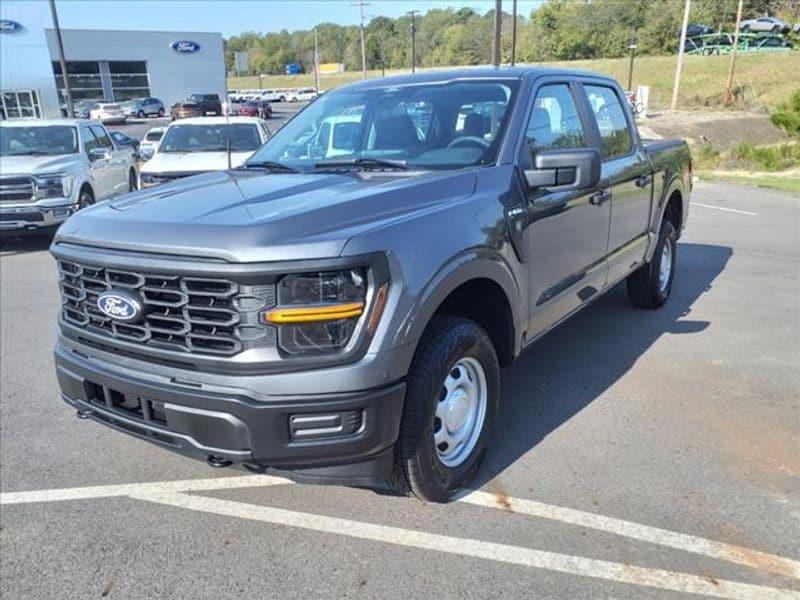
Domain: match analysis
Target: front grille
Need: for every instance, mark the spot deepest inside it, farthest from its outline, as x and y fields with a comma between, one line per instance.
x=16, y=189
x=159, y=178
x=197, y=315
x=31, y=217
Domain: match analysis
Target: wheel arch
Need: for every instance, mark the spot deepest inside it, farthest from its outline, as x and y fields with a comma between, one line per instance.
x=478, y=285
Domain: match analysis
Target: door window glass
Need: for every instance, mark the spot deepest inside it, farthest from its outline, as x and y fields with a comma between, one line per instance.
x=89, y=141
x=102, y=137
x=607, y=109
x=554, y=123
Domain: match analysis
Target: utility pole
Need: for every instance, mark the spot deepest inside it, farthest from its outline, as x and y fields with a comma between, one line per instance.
x=413, y=40
x=681, y=48
x=632, y=47
x=62, y=60
x=729, y=87
x=361, y=4
x=316, y=60
x=514, y=33
x=498, y=20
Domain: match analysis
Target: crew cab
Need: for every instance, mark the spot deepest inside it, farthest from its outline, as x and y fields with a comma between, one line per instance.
x=51, y=168
x=343, y=318
x=201, y=144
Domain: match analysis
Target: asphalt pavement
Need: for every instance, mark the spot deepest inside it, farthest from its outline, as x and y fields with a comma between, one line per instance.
x=638, y=454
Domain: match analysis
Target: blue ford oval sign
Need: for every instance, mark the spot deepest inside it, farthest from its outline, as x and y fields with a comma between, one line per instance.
x=120, y=306
x=7, y=26
x=185, y=46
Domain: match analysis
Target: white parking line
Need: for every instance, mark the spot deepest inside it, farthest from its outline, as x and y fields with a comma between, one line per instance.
x=663, y=537
x=127, y=489
x=516, y=555
x=756, y=559
x=732, y=210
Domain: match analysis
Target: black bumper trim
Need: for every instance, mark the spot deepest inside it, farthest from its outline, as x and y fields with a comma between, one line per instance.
x=236, y=427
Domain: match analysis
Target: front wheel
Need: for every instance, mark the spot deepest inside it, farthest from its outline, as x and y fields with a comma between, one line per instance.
x=451, y=404
x=651, y=285
x=86, y=198
x=140, y=114
x=160, y=112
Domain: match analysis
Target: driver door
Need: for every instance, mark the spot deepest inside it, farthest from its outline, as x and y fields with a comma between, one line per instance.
x=100, y=168
x=567, y=230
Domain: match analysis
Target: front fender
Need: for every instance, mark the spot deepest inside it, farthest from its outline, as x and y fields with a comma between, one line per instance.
x=473, y=263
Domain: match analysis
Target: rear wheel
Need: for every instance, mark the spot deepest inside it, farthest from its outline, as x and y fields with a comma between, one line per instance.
x=651, y=285
x=140, y=114
x=160, y=112
x=452, y=400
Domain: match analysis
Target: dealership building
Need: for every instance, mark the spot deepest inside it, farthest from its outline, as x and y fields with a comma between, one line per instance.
x=101, y=64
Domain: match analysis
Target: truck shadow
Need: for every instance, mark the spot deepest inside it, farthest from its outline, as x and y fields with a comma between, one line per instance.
x=570, y=367
x=12, y=244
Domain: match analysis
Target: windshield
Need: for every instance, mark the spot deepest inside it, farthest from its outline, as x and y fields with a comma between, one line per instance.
x=153, y=136
x=210, y=138
x=431, y=126
x=50, y=140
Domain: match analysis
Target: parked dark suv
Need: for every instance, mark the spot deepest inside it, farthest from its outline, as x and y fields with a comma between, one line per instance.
x=196, y=105
x=339, y=308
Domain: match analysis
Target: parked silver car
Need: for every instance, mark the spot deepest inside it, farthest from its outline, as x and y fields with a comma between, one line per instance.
x=144, y=107
x=771, y=24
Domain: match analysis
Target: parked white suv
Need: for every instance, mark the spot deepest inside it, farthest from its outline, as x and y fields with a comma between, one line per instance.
x=302, y=95
x=108, y=113
x=198, y=145
x=51, y=168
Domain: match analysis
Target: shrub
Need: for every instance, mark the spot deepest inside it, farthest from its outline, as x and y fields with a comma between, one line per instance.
x=787, y=115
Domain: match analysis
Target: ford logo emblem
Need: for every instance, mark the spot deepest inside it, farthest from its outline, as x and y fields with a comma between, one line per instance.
x=185, y=46
x=7, y=26
x=120, y=306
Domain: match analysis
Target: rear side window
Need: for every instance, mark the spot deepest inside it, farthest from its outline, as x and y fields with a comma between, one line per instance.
x=554, y=123
x=614, y=133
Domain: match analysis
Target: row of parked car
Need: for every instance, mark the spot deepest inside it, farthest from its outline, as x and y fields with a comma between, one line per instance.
x=305, y=94
x=765, y=34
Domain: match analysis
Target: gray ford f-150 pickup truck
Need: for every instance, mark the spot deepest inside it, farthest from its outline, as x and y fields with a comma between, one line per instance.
x=339, y=308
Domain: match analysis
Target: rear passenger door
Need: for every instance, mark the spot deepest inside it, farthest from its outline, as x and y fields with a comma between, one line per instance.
x=117, y=181
x=627, y=172
x=100, y=168
x=567, y=230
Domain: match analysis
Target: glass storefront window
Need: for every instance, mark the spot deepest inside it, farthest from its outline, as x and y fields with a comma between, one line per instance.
x=19, y=104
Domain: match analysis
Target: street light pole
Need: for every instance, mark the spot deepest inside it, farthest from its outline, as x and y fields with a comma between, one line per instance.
x=413, y=14
x=729, y=86
x=632, y=47
x=498, y=16
x=681, y=49
x=62, y=60
x=514, y=33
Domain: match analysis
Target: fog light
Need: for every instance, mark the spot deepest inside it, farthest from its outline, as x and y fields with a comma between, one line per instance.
x=325, y=425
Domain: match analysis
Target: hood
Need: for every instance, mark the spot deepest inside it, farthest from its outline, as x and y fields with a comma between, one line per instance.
x=193, y=162
x=32, y=165
x=252, y=216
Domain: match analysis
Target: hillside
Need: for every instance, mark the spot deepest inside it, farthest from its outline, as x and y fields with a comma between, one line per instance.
x=763, y=80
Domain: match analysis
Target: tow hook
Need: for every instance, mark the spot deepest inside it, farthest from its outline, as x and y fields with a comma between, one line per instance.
x=83, y=414
x=217, y=462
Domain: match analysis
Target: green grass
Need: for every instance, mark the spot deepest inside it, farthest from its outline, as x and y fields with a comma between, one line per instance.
x=775, y=182
x=762, y=80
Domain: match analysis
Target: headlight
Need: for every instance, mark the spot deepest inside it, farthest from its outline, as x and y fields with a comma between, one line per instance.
x=52, y=185
x=318, y=312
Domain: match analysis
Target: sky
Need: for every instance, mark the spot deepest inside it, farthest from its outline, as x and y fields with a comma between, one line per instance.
x=231, y=17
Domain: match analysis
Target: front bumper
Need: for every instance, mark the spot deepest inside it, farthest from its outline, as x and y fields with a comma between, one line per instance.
x=35, y=216
x=338, y=437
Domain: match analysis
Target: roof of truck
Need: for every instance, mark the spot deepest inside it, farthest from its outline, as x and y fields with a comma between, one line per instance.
x=480, y=72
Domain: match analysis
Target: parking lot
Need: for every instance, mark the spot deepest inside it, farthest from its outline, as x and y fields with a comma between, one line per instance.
x=638, y=454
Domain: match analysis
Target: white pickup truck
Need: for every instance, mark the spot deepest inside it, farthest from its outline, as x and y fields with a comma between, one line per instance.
x=51, y=168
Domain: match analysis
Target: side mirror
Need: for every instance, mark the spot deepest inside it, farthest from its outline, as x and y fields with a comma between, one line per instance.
x=565, y=169
x=99, y=154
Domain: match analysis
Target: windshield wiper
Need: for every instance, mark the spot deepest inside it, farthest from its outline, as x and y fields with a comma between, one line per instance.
x=270, y=165
x=363, y=163
x=30, y=153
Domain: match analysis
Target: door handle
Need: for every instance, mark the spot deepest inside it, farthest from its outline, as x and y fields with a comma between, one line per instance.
x=644, y=181
x=599, y=197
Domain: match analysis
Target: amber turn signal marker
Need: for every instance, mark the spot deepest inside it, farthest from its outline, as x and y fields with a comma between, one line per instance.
x=312, y=314
x=377, y=310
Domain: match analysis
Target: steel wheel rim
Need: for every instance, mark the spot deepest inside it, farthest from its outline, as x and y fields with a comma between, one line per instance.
x=665, y=266
x=460, y=412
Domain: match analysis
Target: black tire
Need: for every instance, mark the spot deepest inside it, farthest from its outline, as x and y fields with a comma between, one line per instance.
x=132, y=183
x=282, y=99
x=140, y=114
x=644, y=287
x=85, y=198
x=776, y=29
x=446, y=341
x=160, y=112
